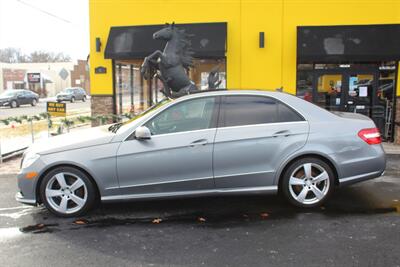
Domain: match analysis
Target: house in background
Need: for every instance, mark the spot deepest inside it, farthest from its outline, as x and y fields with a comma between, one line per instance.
x=46, y=79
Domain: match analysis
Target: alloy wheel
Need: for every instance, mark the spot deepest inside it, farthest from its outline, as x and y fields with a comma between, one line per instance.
x=309, y=183
x=66, y=193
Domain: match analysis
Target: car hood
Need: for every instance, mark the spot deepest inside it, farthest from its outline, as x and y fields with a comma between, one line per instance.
x=75, y=140
x=2, y=98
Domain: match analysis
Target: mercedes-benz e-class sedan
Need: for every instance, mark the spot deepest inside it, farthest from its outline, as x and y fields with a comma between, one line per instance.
x=212, y=143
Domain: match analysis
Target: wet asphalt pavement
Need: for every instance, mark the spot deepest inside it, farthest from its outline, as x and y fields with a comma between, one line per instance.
x=359, y=226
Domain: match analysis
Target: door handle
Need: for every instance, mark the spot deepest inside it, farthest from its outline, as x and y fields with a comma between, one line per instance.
x=200, y=142
x=284, y=133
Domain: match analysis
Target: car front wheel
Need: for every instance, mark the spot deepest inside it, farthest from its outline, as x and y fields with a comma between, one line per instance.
x=34, y=102
x=13, y=104
x=67, y=192
x=72, y=99
x=308, y=182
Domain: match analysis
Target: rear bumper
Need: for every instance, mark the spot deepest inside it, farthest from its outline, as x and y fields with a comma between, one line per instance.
x=360, y=178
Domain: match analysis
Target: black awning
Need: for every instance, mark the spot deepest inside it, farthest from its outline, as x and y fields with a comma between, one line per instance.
x=135, y=42
x=348, y=43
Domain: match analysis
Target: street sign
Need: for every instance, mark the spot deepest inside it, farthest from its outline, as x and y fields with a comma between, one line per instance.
x=33, y=77
x=63, y=74
x=56, y=109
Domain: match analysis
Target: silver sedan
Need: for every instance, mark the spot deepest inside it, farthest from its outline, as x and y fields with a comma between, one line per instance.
x=211, y=143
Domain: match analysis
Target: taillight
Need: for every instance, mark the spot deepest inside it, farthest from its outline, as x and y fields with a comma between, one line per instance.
x=371, y=135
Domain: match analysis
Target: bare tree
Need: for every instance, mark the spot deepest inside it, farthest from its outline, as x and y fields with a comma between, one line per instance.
x=14, y=55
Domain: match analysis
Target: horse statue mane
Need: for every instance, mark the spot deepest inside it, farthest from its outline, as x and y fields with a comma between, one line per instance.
x=185, y=46
x=173, y=63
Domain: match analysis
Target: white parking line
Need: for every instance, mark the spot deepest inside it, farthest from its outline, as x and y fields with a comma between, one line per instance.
x=14, y=208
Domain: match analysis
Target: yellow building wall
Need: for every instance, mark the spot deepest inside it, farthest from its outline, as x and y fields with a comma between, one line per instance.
x=248, y=66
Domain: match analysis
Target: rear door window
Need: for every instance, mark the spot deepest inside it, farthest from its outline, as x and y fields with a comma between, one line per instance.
x=287, y=114
x=250, y=110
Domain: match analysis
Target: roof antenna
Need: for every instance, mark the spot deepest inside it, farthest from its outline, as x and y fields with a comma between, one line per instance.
x=280, y=89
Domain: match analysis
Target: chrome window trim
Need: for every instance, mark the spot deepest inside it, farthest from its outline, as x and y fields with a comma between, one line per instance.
x=218, y=94
x=263, y=124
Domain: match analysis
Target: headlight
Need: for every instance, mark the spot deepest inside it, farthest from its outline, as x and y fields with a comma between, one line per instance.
x=28, y=160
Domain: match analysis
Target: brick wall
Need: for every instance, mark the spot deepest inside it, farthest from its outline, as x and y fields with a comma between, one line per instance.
x=397, y=123
x=80, y=76
x=101, y=105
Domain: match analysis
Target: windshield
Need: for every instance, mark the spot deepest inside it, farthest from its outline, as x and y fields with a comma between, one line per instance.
x=68, y=91
x=8, y=93
x=114, y=128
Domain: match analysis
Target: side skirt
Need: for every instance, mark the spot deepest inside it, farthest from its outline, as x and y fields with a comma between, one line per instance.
x=229, y=191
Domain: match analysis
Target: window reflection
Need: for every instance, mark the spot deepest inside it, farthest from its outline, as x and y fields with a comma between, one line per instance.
x=134, y=94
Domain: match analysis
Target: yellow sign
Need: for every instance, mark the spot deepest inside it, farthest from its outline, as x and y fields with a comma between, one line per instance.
x=56, y=109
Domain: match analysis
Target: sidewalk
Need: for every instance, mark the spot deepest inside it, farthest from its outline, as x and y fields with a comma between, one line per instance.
x=20, y=143
x=391, y=148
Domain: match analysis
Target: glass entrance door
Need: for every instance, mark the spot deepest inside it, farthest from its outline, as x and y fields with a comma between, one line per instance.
x=359, y=93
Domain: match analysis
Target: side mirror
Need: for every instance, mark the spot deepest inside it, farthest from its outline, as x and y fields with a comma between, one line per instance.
x=143, y=133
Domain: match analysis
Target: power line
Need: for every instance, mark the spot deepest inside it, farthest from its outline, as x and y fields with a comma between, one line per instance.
x=44, y=11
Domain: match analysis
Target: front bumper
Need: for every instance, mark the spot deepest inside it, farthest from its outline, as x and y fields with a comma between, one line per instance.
x=27, y=187
x=20, y=198
x=4, y=103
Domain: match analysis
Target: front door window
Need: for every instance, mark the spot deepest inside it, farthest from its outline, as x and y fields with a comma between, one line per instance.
x=190, y=115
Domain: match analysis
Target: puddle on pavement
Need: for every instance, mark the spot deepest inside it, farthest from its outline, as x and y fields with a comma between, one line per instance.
x=39, y=228
x=237, y=213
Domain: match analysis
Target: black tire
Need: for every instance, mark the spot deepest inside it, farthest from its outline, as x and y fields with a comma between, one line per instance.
x=69, y=173
x=14, y=104
x=34, y=102
x=84, y=99
x=72, y=99
x=296, y=168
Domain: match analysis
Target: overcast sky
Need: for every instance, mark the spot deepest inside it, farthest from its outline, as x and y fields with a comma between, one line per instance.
x=49, y=25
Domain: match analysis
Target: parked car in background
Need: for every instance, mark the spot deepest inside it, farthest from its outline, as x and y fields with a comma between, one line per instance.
x=15, y=97
x=72, y=94
x=209, y=143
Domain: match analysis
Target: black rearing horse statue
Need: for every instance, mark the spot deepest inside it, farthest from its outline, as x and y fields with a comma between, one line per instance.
x=171, y=65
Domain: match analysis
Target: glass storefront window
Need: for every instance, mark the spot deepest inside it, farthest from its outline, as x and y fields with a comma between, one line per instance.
x=202, y=68
x=305, y=85
x=134, y=94
x=329, y=91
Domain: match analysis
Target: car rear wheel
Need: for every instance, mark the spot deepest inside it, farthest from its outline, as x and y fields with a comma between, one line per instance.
x=72, y=99
x=308, y=182
x=34, y=102
x=13, y=104
x=67, y=192
x=84, y=99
